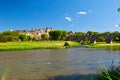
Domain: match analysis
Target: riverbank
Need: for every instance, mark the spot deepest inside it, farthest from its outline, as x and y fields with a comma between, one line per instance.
x=35, y=45
x=114, y=46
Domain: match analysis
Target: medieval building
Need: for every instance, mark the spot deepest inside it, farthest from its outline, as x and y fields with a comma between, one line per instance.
x=36, y=33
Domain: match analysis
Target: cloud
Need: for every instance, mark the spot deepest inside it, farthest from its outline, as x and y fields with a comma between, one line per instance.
x=117, y=25
x=82, y=13
x=68, y=18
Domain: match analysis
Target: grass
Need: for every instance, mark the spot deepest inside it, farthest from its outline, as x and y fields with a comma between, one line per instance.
x=5, y=73
x=112, y=74
x=113, y=46
x=34, y=45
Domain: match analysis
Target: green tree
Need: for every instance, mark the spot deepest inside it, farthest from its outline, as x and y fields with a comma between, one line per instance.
x=118, y=9
x=63, y=35
x=58, y=35
x=44, y=36
x=24, y=37
x=13, y=33
x=96, y=33
x=77, y=35
x=100, y=39
x=9, y=36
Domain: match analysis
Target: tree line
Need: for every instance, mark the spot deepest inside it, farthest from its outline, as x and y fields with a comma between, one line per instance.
x=56, y=35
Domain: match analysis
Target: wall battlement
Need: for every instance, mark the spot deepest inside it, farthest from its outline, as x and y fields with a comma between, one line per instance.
x=36, y=32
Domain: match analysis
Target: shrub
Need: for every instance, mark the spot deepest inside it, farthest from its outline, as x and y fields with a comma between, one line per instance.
x=66, y=44
x=44, y=36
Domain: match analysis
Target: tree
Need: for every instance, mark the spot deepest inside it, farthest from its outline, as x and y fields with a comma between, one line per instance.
x=77, y=35
x=58, y=35
x=63, y=35
x=106, y=33
x=9, y=36
x=100, y=39
x=24, y=37
x=55, y=35
x=44, y=36
x=118, y=9
x=90, y=33
x=13, y=33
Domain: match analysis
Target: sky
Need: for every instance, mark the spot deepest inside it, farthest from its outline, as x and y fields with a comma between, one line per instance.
x=69, y=15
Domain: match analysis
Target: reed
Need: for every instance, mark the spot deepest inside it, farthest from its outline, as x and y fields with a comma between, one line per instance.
x=5, y=73
x=109, y=74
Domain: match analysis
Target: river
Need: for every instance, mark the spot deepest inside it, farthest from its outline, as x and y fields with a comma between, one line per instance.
x=48, y=63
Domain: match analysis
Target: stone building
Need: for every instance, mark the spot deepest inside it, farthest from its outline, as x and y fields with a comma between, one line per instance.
x=36, y=33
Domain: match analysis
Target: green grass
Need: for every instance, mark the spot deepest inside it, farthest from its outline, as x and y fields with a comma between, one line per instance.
x=113, y=46
x=35, y=45
x=112, y=74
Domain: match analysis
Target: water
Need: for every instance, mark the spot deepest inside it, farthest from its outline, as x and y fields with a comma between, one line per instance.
x=43, y=64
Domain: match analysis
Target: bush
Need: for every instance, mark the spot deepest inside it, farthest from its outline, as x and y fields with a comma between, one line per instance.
x=66, y=44
x=24, y=37
x=44, y=36
x=84, y=42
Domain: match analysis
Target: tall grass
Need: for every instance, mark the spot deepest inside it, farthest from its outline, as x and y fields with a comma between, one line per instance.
x=5, y=73
x=112, y=74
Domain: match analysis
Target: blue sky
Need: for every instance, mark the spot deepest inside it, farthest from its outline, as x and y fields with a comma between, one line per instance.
x=75, y=15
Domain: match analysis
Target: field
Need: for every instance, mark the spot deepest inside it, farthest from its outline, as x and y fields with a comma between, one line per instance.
x=34, y=45
x=114, y=45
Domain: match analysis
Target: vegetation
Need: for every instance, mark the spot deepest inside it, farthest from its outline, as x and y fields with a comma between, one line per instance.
x=112, y=74
x=58, y=35
x=66, y=44
x=103, y=45
x=11, y=36
x=118, y=9
x=45, y=37
x=35, y=45
x=5, y=73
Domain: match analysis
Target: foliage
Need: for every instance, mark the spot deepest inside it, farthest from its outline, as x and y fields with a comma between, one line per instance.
x=118, y=9
x=24, y=37
x=58, y=35
x=90, y=33
x=113, y=74
x=44, y=36
x=77, y=35
x=63, y=34
x=66, y=44
x=13, y=36
x=101, y=39
x=9, y=36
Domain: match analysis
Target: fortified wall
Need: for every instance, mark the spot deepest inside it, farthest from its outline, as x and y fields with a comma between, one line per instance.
x=36, y=32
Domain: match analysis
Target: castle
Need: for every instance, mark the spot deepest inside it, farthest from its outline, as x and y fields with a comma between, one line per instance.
x=36, y=33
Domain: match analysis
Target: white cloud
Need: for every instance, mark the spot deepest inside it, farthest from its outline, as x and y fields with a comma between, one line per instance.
x=117, y=25
x=68, y=18
x=82, y=13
